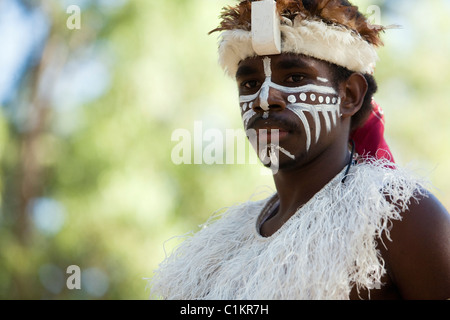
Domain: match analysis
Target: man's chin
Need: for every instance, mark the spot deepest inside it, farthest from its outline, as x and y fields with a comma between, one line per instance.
x=284, y=162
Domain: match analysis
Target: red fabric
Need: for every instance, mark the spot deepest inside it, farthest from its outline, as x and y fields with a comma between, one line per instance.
x=369, y=139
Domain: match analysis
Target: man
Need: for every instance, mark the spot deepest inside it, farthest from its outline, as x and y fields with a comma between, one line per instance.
x=340, y=226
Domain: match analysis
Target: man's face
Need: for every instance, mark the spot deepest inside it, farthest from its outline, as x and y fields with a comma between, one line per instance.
x=290, y=104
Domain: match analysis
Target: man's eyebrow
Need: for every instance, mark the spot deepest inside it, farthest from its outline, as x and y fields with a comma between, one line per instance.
x=245, y=71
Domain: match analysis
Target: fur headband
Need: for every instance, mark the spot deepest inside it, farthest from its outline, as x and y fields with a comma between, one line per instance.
x=350, y=44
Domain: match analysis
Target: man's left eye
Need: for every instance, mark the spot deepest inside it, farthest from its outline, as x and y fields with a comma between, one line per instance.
x=295, y=78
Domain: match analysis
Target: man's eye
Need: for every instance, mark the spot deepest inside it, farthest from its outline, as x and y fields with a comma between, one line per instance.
x=250, y=84
x=295, y=78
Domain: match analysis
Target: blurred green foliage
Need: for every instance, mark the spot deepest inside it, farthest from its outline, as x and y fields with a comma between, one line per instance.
x=91, y=182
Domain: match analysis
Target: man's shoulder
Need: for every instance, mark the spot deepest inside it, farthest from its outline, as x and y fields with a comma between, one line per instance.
x=418, y=253
x=416, y=246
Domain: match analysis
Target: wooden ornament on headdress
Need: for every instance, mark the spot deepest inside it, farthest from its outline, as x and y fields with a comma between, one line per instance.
x=266, y=34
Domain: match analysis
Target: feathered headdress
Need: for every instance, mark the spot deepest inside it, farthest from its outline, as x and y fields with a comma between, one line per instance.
x=330, y=30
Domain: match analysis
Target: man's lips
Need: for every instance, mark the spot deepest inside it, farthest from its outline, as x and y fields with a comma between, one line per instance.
x=272, y=128
x=271, y=135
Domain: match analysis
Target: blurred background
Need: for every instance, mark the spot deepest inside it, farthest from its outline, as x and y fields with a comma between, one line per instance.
x=87, y=112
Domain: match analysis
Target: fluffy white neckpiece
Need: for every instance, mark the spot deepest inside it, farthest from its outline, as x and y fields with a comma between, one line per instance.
x=325, y=249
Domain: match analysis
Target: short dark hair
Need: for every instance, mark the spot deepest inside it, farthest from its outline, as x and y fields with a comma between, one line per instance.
x=341, y=74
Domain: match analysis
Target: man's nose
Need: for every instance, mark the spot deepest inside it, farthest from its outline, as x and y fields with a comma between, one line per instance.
x=269, y=99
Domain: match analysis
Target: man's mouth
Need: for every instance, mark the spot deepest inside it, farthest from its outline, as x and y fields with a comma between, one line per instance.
x=271, y=135
x=271, y=130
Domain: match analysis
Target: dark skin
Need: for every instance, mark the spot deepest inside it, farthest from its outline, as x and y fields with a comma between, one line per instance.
x=417, y=259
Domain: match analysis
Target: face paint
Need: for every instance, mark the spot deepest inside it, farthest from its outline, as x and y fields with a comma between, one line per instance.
x=311, y=98
x=247, y=116
x=325, y=109
x=282, y=150
x=323, y=80
x=304, y=91
x=271, y=153
x=264, y=91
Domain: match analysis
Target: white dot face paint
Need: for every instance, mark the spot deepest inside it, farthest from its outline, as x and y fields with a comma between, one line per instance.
x=329, y=112
x=292, y=99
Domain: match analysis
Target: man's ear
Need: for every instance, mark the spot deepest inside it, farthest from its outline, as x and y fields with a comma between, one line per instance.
x=355, y=89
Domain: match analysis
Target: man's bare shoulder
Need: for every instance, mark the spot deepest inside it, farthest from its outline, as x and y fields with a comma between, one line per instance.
x=418, y=257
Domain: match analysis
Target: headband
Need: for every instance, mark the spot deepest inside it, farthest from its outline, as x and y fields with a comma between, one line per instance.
x=307, y=35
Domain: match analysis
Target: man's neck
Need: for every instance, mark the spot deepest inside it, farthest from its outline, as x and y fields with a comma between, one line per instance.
x=297, y=186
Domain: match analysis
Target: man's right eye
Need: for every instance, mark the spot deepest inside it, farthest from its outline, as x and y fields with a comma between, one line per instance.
x=250, y=84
